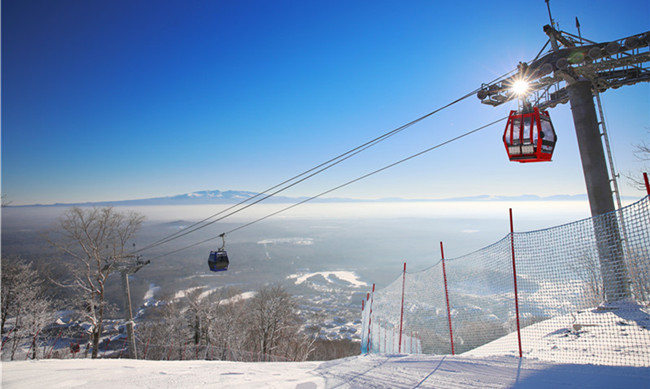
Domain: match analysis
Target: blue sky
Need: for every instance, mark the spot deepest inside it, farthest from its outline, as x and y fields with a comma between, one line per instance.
x=135, y=99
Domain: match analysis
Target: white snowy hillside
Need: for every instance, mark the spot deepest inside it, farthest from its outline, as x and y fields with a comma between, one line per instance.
x=613, y=334
x=332, y=277
x=329, y=303
x=545, y=345
x=375, y=371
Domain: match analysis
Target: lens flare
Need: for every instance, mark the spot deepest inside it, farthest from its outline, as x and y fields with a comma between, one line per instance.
x=520, y=87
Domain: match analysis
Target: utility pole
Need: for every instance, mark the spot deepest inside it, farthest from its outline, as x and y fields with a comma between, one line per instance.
x=130, y=333
x=125, y=270
x=573, y=71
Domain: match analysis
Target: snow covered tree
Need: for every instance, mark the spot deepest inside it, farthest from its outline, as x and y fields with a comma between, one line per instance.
x=274, y=325
x=642, y=153
x=24, y=302
x=226, y=323
x=177, y=330
x=96, y=241
x=5, y=201
x=638, y=267
x=197, y=315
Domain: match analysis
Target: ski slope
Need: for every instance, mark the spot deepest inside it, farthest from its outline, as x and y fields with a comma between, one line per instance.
x=374, y=371
x=613, y=334
x=494, y=365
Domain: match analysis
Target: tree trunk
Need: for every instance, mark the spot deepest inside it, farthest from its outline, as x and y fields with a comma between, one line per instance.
x=95, y=343
x=97, y=332
x=197, y=329
x=34, y=347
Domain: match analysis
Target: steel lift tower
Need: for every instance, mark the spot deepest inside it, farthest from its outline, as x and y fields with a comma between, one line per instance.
x=125, y=269
x=575, y=70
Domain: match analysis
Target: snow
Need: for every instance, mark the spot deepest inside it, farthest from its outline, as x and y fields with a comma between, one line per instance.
x=375, y=371
x=150, y=296
x=239, y=297
x=546, y=345
x=242, y=296
x=182, y=293
x=347, y=276
x=613, y=334
x=290, y=241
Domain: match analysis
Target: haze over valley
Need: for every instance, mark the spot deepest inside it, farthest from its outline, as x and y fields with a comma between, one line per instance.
x=326, y=254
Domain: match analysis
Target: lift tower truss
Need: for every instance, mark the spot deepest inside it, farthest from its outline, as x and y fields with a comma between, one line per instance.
x=571, y=59
x=573, y=70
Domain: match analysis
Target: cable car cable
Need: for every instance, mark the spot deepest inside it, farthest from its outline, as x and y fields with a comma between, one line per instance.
x=324, y=166
x=197, y=227
x=332, y=162
x=368, y=174
x=186, y=232
x=337, y=187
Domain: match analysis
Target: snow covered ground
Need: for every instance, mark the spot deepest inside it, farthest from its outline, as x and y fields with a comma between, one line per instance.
x=493, y=365
x=613, y=334
x=332, y=277
x=375, y=371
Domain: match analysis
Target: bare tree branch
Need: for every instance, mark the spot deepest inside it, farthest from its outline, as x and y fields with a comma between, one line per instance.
x=95, y=238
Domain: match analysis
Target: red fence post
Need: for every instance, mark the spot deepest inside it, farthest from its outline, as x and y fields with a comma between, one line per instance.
x=6, y=339
x=146, y=348
x=372, y=297
x=33, y=344
x=401, y=315
x=171, y=349
x=444, y=278
x=514, y=274
x=54, y=344
x=363, y=307
x=122, y=349
x=647, y=183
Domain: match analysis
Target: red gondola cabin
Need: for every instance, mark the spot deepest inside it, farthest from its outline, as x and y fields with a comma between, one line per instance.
x=529, y=136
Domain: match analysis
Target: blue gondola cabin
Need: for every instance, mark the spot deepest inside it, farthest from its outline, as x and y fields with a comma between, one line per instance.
x=218, y=260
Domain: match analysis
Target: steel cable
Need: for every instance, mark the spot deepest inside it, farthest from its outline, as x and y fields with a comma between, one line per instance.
x=335, y=188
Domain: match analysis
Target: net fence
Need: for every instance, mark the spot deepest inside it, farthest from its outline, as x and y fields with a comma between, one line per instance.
x=581, y=295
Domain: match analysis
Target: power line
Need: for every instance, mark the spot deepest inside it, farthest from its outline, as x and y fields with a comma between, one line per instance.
x=338, y=187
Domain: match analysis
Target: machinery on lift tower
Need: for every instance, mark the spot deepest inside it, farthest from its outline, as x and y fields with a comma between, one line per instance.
x=575, y=70
x=547, y=79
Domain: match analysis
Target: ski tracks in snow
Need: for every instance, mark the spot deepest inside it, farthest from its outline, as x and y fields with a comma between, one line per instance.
x=366, y=372
x=418, y=371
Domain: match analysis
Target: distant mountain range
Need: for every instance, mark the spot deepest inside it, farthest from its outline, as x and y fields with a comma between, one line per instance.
x=233, y=197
